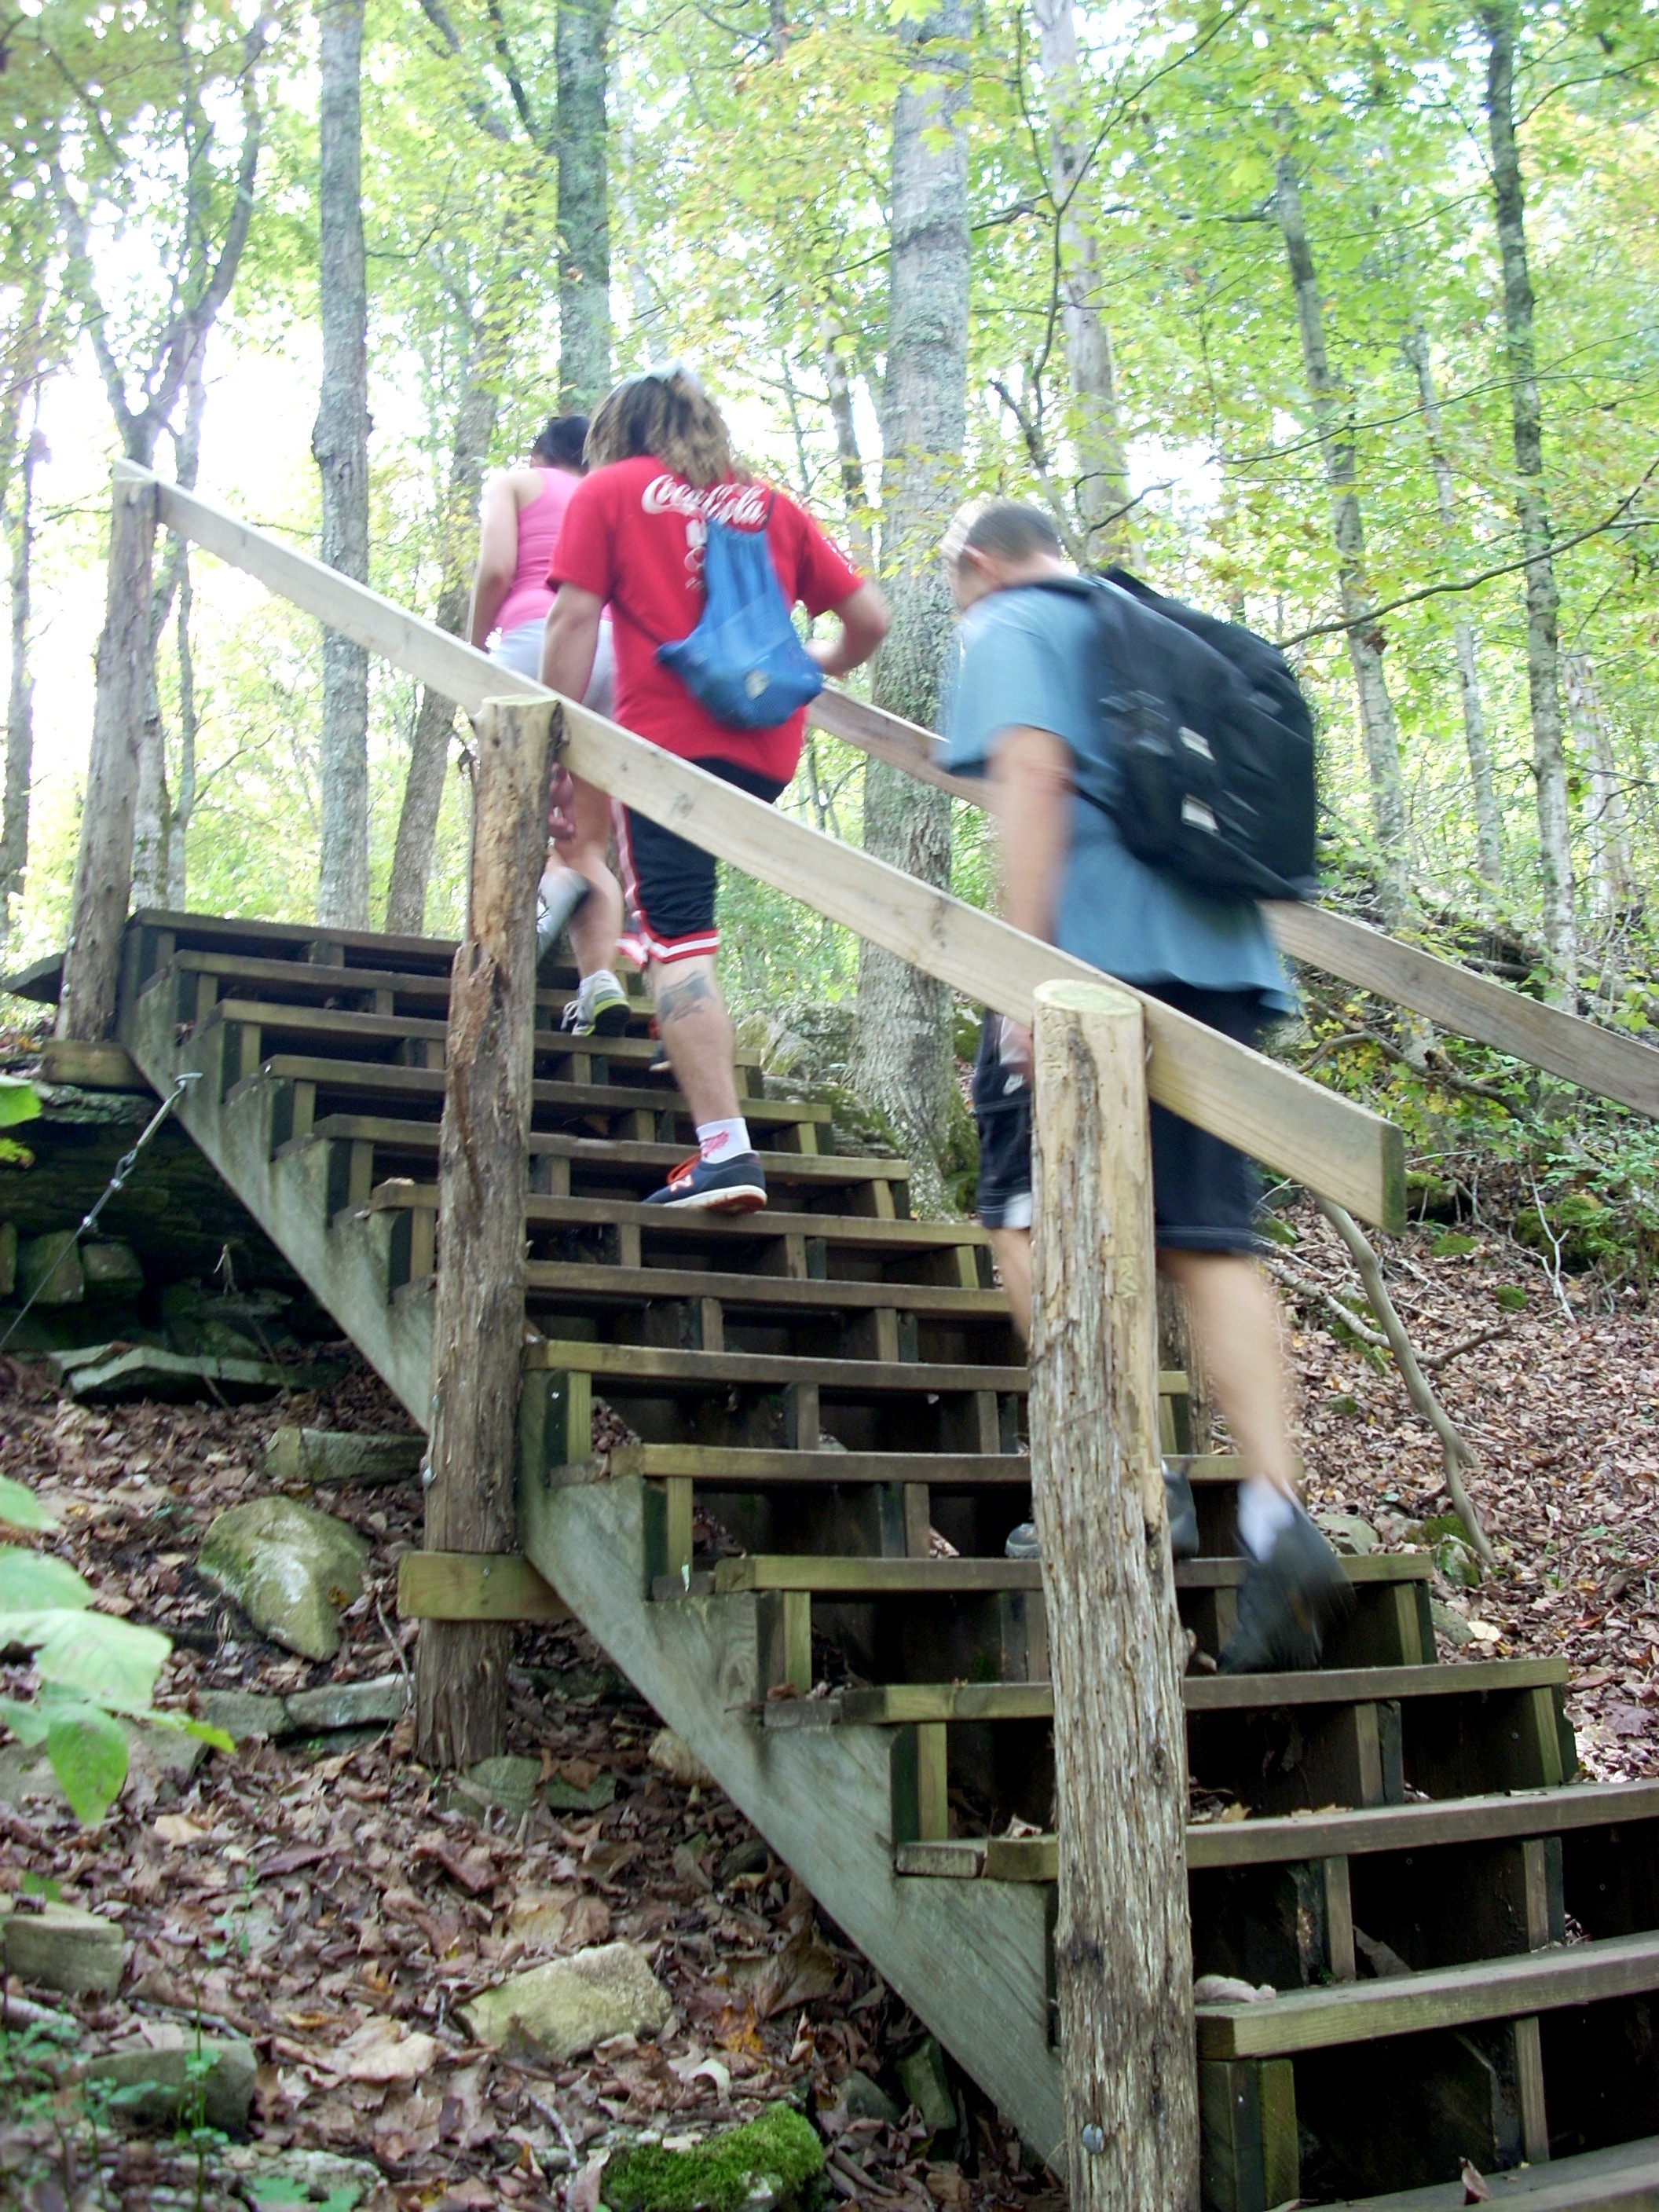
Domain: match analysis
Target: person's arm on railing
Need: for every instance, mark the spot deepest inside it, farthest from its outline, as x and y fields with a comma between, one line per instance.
x=570, y=640
x=498, y=559
x=863, y=619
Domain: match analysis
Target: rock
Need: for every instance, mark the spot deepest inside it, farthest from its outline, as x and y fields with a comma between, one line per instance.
x=48, y=1270
x=347, y=1704
x=509, y=1783
x=1452, y=1625
x=111, y=1270
x=926, y=2083
x=154, y=1756
x=677, y=1759
x=242, y=1714
x=298, y=2178
x=168, y=2093
x=341, y=1455
x=1227, y=1989
x=865, y=2100
x=290, y=1569
x=766, y=2163
x=110, y=1374
x=1348, y=1533
x=60, y=1947
x=560, y=2009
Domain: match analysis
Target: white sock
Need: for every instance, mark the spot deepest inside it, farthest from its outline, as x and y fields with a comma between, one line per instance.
x=724, y=1140
x=1263, y=1511
x=590, y=984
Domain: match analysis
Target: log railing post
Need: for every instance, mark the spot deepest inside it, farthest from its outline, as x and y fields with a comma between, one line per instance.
x=103, y=867
x=1123, y=1943
x=484, y=1182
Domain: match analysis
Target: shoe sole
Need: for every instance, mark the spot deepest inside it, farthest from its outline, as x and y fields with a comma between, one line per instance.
x=610, y=1021
x=741, y=1199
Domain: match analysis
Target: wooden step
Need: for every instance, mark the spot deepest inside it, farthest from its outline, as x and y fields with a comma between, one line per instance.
x=156, y=934
x=651, y=1365
x=895, y=1704
x=317, y=1028
x=1486, y=1819
x=1451, y=1997
x=1625, y=2178
x=718, y=1467
x=368, y=1079
x=389, y=1139
x=306, y=981
x=946, y=1578
x=598, y=1283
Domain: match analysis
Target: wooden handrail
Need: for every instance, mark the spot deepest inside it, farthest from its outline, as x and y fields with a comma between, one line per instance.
x=1595, y=1058
x=1291, y=1124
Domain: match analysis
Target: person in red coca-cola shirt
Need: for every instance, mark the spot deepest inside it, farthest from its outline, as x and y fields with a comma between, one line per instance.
x=660, y=464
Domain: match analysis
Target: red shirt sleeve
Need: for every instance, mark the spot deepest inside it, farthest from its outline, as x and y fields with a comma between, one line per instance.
x=823, y=576
x=582, y=554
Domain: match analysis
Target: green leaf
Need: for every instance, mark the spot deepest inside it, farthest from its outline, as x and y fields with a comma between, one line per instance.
x=89, y=1652
x=42, y=1885
x=21, y=1508
x=31, y=1582
x=88, y=1755
x=19, y=1100
x=27, y=1723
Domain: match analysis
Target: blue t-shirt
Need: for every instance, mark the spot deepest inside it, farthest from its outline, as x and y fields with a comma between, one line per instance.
x=1024, y=662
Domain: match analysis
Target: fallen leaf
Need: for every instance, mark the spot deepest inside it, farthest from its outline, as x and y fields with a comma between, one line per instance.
x=1475, y=2191
x=174, y=1829
x=383, y=2051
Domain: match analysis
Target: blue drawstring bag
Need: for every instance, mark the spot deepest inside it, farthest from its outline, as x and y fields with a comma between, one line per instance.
x=744, y=662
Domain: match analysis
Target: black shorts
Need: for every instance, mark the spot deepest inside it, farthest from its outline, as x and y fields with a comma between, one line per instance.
x=1204, y=1190
x=669, y=883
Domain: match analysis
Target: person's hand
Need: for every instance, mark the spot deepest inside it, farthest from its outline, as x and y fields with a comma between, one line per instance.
x=561, y=828
x=1014, y=1046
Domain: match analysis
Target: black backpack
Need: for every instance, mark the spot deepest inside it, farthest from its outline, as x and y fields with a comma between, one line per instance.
x=1209, y=767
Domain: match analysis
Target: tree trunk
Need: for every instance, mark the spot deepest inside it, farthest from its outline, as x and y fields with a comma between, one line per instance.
x=902, y=1062
x=103, y=867
x=1488, y=826
x=855, y=497
x=584, y=206
x=20, y=704
x=1123, y=1942
x=1532, y=512
x=483, y=1185
x=339, y=443
x=1096, y=435
x=152, y=829
x=185, y=797
x=428, y=752
x=1612, y=876
x=1365, y=638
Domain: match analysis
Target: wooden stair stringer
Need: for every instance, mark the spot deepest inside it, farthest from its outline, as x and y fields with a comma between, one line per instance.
x=822, y=1799
x=346, y=1267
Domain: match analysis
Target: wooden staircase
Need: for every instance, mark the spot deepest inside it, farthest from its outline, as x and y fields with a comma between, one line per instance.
x=829, y=1381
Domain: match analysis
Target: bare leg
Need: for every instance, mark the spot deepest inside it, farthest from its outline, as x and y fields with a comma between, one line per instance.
x=597, y=924
x=696, y=1035
x=1012, y=1250
x=1235, y=1319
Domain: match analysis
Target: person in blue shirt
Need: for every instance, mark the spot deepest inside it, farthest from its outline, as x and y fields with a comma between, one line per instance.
x=1022, y=714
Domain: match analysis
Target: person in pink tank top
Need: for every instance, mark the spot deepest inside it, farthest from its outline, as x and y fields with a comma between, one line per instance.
x=522, y=513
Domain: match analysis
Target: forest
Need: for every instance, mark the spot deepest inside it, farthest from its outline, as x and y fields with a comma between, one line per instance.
x=1338, y=323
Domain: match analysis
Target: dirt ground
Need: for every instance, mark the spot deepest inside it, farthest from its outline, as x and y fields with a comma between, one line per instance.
x=319, y=1899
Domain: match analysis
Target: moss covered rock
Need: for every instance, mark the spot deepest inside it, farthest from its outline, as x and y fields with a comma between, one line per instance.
x=290, y=1570
x=769, y=2160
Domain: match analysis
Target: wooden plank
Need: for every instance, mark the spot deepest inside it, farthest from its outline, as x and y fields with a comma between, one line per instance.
x=874, y=1577
x=1288, y=1123
x=202, y=932
x=1370, y=1567
x=474, y=1586
x=1595, y=1058
x=722, y=1467
x=90, y=1066
x=1022, y=1858
x=823, y=1173
x=894, y=1704
x=389, y=1079
x=599, y=1280
x=1421, y=1827
x=950, y=1861
x=1445, y=1996
x=641, y=1362
x=1625, y=2178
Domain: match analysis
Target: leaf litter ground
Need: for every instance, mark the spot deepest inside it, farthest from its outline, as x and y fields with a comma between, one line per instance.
x=318, y=1898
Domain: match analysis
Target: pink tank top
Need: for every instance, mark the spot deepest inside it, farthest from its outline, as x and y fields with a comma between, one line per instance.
x=539, y=523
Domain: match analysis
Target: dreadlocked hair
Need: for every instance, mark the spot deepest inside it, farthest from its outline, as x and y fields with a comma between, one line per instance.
x=667, y=414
